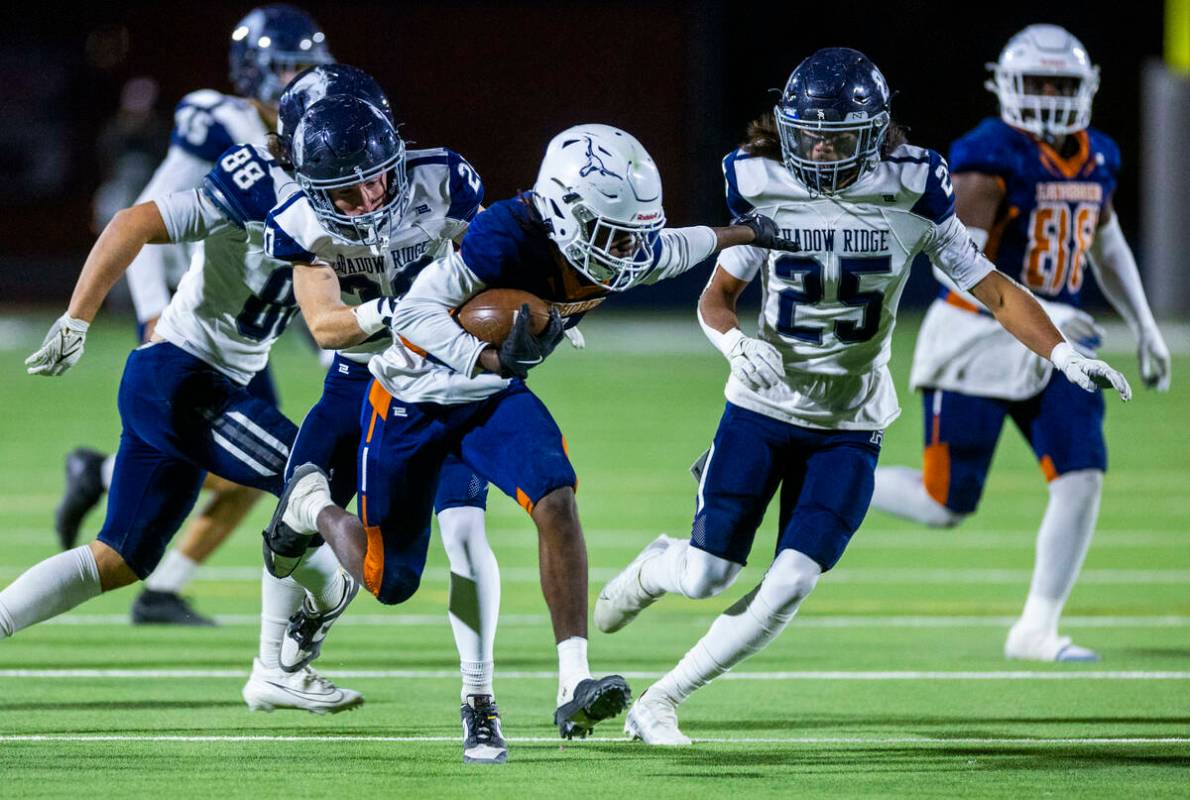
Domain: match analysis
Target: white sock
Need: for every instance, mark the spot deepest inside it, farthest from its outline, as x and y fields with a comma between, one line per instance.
x=48, y=589
x=107, y=470
x=306, y=503
x=572, y=666
x=747, y=626
x=900, y=491
x=687, y=571
x=474, y=595
x=1062, y=543
x=320, y=575
x=280, y=598
x=173, y=573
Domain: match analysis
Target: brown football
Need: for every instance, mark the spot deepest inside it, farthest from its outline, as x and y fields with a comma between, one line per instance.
x=490, y=314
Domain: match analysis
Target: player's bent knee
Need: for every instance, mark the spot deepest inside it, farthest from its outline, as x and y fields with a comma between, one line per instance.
x=705, y=575
x=790, y=580
x=398, y=586
x=114, y=571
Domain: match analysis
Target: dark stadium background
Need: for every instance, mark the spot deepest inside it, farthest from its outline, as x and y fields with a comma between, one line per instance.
x=496, y=80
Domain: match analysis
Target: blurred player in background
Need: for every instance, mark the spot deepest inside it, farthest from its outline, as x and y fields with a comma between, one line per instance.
x=185, y=402
x=370, y=217
x=594, y=225
x=808, y=400
x=1034, y=187
x=269, y=47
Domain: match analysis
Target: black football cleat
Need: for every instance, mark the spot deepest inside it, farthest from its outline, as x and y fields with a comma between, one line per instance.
x=595, y=699
x=166, y=608
x=483, y=740
x=284, y=548
x=84, y=488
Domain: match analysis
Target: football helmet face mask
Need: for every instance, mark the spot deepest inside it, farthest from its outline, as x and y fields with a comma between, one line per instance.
x=1045, y=82
x=600, y=193
x=269, y=45
x=343, y=142
x=322, y=81
x=832, y=118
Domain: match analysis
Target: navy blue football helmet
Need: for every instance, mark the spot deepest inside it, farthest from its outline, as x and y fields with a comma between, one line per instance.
x=269, y=45
x=833, y=117
x=343, y=141
x=322, y=81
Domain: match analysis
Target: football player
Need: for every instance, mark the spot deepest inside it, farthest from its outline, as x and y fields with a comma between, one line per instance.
x=808, y=398
x=269, y=47
x=1034, y=187
x=369, y=218
x=593, y=225
x=184, y=401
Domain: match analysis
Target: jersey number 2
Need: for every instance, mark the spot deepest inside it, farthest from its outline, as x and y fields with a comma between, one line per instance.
x=811, y=293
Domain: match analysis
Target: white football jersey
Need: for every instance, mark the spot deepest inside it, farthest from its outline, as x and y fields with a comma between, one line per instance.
x=206, y=123
x=830, y=308
x=445, y=194
x=234, y=301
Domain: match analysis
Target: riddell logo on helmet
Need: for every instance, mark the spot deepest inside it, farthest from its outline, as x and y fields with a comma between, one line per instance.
x=647, y=217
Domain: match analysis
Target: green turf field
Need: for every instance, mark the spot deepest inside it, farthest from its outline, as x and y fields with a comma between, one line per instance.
x=889, y=682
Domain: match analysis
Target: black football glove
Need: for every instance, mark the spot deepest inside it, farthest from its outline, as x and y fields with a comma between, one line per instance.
x=522, y=350
x=768, y=235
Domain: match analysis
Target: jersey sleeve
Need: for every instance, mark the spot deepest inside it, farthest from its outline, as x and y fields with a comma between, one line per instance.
x=197, y=131
x=1110, y=151
x=737, y=206
x=423, y=316
x=191, y=216
x=490, y=247
x=742, y=261
x=279, y=243
x=985, y=150
x=680, y=250
x=466, y=188
x=936, y=202
x=241, y=185
x=952, y=250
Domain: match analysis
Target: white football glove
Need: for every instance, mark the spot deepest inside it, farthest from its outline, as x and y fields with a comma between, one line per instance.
x=1089, y=373
x=577, y=340
x=1082, y=331
x=1154, y=360
x=61, y=349
x=756, y=363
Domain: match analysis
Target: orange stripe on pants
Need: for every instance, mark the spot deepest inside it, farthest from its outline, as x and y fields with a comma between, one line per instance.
x=1048, y=469
x=374, y=560
x=935, y=473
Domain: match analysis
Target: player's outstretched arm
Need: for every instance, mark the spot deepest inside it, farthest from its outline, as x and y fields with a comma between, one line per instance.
x=333, y=323
x=128, y=231
x=754, y=362
x=1115, y=268
x=1023, y=317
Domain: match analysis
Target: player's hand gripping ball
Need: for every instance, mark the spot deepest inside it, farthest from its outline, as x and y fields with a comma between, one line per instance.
x=490, y=314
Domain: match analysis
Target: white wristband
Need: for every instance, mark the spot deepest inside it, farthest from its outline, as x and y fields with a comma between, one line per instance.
x=368, y=317
x=1061, y=354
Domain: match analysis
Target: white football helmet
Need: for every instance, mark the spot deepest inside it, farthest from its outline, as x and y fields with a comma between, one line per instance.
x=1039, y=52
x=600, y=193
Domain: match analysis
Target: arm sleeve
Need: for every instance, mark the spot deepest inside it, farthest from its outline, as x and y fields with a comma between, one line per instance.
x=951, y=249
x=149, y=273
x=190, y=216
x=742, y=261
x=423, y=316
x=681, y=249
x=1115, y=269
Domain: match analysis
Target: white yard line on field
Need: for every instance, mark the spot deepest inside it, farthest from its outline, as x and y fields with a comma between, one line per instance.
x=879, y=741
x=807, y=675
x=806, y=621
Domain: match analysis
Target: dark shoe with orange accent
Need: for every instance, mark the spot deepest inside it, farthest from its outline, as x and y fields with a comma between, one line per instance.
x=309, y=626
x=594, y=700
x=84, y=488
x=288, y=535
x=483, y=740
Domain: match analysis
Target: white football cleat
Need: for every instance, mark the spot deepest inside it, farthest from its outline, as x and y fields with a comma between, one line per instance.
x=269, y=689
x=1024, y=644
x=653, y=719
x=623, y=597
